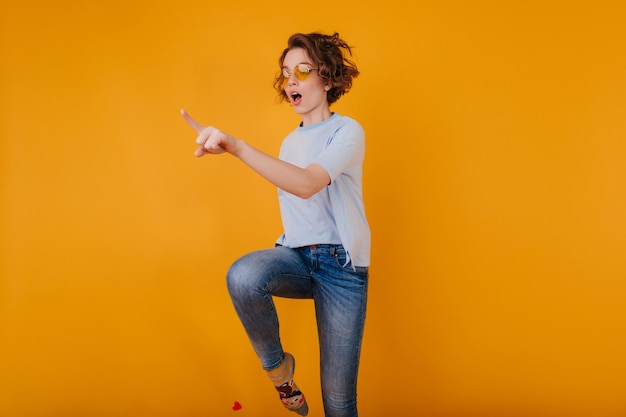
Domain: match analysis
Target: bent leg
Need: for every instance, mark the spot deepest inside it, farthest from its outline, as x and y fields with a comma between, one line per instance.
x=252, y=281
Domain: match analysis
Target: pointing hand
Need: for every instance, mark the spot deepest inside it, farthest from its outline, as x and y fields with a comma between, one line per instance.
x=210, y=139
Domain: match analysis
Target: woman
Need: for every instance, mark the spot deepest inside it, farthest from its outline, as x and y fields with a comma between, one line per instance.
x=324, y=250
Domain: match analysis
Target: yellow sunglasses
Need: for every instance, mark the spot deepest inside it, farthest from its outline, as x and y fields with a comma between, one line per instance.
x=301, y=72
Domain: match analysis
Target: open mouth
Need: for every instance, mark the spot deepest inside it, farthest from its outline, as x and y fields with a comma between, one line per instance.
x=295, y=98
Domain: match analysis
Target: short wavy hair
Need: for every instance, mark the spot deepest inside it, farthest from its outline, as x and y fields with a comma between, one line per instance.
x=332, y=57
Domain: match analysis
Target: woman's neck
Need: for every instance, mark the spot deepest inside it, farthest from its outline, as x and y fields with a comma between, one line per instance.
x=316, y=117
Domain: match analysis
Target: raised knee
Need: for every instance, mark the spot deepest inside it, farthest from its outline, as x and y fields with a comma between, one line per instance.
x=233, y=276
x=240, y=277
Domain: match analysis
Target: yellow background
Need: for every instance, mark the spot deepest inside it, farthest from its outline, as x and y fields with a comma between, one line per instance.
x=495, y=185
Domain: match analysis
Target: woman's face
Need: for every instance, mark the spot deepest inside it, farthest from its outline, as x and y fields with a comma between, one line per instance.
x=307, y=96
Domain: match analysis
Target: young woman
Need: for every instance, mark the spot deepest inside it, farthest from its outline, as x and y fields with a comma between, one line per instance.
x=324, y=250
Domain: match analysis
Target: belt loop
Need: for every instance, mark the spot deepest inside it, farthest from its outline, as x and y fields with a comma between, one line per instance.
x=333, y=251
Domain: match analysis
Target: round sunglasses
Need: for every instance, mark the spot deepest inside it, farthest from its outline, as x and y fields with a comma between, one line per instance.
x=301, y=72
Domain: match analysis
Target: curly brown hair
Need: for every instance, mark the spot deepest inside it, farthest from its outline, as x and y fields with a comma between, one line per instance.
x=331, y=55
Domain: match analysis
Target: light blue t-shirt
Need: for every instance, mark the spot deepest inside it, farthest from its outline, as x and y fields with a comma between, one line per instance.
x=336, y=214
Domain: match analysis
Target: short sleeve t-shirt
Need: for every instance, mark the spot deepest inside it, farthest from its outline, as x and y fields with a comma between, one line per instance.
x=336, y=214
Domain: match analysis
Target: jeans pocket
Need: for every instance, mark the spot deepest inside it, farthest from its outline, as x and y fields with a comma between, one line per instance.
x=341, y=261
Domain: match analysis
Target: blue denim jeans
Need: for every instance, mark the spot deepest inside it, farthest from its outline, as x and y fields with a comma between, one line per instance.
x=340, y=297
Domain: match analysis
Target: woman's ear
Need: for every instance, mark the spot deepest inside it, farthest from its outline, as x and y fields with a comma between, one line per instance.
x=326, y=87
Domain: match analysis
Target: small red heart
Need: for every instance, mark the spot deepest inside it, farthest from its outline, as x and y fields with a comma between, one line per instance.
x=236, y=406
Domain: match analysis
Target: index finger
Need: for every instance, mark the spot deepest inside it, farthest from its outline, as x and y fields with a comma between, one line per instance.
x=195, y=125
